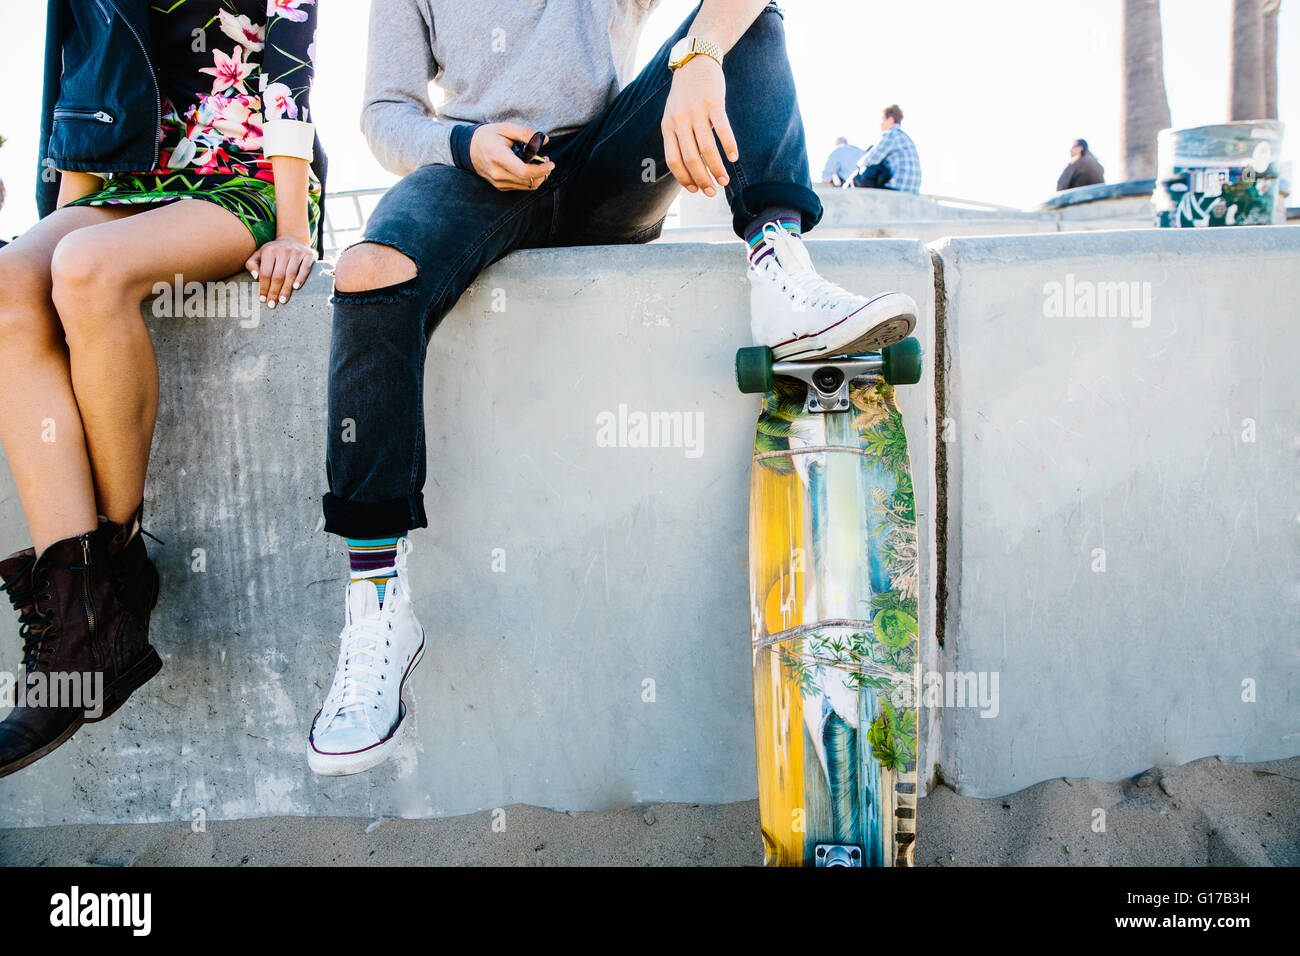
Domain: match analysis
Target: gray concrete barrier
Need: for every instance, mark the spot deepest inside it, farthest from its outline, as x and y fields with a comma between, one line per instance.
x=1121, y=414
x=889, y=214
x=586, y=604
x=1118, y=552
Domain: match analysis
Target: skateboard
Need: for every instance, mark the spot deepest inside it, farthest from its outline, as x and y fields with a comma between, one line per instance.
x=834, y=590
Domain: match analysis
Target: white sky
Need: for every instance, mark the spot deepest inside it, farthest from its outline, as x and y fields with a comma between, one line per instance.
x=994, y=91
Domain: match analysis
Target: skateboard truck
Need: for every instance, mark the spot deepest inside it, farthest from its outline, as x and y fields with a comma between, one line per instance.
x=828, y=385
x=837, y=854
x=828, y=379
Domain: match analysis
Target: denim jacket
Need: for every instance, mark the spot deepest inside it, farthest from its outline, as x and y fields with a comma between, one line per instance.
x=101, y=109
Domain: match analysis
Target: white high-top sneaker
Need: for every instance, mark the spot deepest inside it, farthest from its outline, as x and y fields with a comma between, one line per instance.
x=378, y=649
x=800, y=315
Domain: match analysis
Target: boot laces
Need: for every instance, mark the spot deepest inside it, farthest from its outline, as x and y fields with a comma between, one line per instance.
x=36, y=623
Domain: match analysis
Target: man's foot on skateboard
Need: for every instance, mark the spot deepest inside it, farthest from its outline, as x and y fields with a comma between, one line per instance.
x=799, y=315
x=378, y=648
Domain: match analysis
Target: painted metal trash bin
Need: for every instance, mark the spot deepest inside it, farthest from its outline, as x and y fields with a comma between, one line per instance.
x=1223, y=175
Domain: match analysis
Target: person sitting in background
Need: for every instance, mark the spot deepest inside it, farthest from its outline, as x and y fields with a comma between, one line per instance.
x=893, y=162
x=1082, y=170
x=842, y=162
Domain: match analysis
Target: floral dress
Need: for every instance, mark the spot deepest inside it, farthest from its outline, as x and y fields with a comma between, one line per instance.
x=234, y=78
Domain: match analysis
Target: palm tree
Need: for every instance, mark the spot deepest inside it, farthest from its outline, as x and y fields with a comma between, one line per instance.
x=1146, y=105
x=1246, y=100
x=1270, y=58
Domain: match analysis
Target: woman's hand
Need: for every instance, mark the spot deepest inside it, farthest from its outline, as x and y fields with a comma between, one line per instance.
x=696, y=109
x=281, y=266
x=493, y=158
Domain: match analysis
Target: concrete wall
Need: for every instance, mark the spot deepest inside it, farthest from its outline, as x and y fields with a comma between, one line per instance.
x=622, y=565
x=1160, y=441
x=1121, y=492
x=888, y=214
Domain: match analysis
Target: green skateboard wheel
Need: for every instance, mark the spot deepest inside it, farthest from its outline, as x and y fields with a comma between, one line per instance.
x=902, y=362
x=754, y=369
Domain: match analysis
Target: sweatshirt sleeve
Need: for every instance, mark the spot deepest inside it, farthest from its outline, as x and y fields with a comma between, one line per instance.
x=287, y=72
x=399, y=120
x=1066, y=178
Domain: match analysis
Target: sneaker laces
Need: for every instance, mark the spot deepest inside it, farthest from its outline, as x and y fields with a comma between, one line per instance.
x=797, y=277
x=360, y=676
x=363, y=647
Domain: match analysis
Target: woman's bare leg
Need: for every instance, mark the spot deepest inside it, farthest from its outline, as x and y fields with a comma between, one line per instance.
x=101, y=274
x=40, y=426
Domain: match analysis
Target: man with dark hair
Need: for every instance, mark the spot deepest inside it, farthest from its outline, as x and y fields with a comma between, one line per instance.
x=893, y=162
x=1082, y=170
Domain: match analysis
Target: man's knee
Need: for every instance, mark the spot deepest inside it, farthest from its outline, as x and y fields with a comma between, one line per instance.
x=369, y=266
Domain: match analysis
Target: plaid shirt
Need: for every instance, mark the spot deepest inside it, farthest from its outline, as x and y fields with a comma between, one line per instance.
x=899, y=152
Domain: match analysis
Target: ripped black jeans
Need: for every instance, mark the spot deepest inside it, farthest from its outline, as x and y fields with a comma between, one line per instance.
x=453, y=224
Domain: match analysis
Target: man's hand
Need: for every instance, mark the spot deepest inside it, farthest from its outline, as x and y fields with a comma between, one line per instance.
x=490, y=152
x=696, y=109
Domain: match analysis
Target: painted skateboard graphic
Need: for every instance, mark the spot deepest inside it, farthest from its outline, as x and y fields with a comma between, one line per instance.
x=834, y=591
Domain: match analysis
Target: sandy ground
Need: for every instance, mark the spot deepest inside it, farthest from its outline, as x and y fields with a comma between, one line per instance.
x=1203, y=813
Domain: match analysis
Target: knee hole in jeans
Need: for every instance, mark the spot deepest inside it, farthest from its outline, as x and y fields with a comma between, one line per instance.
x=368, y=266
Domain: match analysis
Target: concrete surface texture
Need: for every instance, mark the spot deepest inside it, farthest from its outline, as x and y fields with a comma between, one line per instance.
x=586, y=598
x=851, y=207
x=1119, y=429
x=1122, y=412
x=1207, y=813
x=886, y=213
x=931, y=230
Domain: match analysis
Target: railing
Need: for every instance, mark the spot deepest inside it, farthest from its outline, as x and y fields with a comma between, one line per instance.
x=360, y=204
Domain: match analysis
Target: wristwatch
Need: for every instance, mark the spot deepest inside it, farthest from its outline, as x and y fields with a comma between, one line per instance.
x=688, y=47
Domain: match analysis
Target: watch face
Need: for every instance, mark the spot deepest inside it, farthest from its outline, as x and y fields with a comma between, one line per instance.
x=681, y=49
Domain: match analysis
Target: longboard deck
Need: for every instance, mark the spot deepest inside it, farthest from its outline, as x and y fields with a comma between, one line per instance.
x=834, y=590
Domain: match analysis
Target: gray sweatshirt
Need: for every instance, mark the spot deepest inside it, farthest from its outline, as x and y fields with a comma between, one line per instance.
x=552, y=65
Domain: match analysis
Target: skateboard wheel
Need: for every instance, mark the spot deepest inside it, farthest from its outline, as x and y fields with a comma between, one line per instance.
x=754, y=369
x=902, y=362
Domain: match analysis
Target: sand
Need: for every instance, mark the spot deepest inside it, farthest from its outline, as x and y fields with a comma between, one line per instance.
x=1206, y=813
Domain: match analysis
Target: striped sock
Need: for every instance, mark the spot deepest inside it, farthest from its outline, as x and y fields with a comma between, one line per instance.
x=373, y=559
x=759, y=250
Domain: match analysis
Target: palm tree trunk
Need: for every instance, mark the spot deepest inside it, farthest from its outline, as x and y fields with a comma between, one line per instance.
x=1146, y=105
x=1246, y=96
x=1270, y=58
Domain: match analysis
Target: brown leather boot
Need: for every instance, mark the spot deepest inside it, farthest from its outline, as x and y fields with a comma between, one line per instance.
x=84, y=650
x=134, y=572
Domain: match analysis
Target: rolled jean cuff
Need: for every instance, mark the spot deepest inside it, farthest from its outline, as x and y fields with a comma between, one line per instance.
x=373, y=519
x=460, y=138
x=755, y=198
